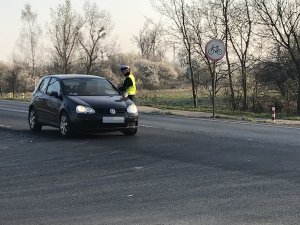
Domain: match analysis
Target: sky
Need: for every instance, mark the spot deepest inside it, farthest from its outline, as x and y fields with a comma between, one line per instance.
x=128, y=17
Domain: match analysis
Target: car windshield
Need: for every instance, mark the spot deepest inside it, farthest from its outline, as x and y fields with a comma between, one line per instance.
x=88, y=87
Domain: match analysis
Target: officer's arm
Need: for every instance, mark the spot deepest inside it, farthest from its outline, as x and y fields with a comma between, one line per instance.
x=127, y=83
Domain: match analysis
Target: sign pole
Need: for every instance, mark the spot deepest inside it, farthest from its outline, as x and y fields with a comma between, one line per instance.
x=214, y=89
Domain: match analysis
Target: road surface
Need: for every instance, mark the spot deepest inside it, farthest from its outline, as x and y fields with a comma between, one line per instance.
x=176, y=170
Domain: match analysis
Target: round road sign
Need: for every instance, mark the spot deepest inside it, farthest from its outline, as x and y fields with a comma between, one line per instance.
x=215, y=50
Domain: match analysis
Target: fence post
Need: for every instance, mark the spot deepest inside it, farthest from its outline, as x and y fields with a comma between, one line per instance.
x=273, y=114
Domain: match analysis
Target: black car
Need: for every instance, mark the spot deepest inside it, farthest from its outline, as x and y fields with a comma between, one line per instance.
x=81, y=103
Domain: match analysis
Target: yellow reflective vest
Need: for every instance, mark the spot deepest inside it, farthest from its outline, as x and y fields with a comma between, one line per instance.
x=132, y=89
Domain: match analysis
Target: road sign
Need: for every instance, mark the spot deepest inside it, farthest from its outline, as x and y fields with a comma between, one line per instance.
x=215, y=50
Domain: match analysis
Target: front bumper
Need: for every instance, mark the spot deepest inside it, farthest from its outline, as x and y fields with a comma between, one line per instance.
x=96, y=123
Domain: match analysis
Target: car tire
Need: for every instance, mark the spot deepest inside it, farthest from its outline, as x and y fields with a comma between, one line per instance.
x=130, y=132
x=34, y=125
x=65, y=125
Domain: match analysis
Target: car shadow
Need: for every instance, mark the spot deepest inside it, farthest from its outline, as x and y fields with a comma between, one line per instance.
x=53, y=133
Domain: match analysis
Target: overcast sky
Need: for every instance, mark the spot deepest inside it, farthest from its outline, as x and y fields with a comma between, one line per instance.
x=128, y=17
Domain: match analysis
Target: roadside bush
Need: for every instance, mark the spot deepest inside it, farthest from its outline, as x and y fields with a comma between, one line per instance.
x=155, y=74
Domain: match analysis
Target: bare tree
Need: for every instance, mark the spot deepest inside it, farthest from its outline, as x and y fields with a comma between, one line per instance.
x=176, y=11
x=3, y=72
x=63, y=33
x=206, y=24
x=226, y=20
x=97, y=25
x=149, y=41
x=143, y=40
x=281, y=20
x=12, y=79
x=240, y=36
x=30, y=35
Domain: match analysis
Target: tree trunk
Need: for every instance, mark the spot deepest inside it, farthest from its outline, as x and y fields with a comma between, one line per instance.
x=225, y=5
x=192, y=78
x=298, y=97
x=13, y=91
x=244, y=84
x=193, y=82
x=232, y=97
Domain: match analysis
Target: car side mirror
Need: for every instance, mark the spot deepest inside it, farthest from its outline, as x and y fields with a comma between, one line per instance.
x=54, y=94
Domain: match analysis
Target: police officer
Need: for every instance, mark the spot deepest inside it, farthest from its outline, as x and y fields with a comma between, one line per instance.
x=129, y=86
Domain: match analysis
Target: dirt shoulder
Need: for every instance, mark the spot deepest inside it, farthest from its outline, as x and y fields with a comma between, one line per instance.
x=153, y=110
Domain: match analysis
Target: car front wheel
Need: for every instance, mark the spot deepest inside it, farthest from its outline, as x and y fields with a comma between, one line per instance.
x=64, y=125
x=34, y=125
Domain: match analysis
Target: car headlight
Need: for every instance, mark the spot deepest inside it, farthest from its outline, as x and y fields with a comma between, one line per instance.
x=84, y=109
x=132, y=109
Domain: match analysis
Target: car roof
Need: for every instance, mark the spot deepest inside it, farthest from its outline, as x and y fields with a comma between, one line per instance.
x=71, y=76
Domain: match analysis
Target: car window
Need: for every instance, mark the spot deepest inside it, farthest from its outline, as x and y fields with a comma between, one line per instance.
x=53, y=86
x=109, y=89
x=88, y=87
x=43, y=84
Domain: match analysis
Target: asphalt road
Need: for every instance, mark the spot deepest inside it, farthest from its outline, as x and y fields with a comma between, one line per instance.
x=176, y=170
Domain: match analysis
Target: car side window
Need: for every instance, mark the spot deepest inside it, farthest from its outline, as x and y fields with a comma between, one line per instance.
x=54, y=85
x=43, y=85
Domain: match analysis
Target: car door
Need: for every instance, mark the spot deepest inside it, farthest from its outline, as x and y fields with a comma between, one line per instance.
x=54, y=101
x=39, y=99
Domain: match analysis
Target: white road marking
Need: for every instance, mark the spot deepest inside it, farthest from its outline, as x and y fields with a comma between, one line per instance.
x=1, y=125
x=148, y=126
x=14, y=110
x=138, y=168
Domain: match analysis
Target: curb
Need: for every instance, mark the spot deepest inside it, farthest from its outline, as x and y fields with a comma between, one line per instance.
x=191, y=114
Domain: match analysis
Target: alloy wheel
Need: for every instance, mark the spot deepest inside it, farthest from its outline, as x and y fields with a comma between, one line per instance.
x=32, y=120
x=63, y=125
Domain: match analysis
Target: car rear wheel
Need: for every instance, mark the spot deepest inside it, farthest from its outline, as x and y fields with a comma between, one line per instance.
x=130, y=132
x=64, y=125
x=34, y=125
